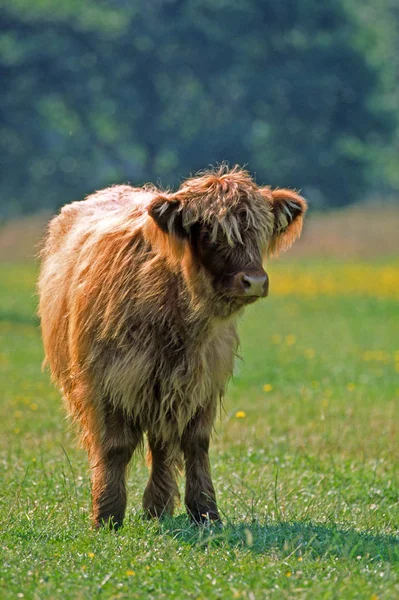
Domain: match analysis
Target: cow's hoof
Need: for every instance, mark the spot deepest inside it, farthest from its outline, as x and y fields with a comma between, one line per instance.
x=205, y=516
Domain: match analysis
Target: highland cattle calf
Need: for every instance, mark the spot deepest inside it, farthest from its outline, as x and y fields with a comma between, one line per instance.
x=139, y=294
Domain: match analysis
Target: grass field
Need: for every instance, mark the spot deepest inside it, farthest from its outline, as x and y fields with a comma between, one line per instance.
x=304, y=459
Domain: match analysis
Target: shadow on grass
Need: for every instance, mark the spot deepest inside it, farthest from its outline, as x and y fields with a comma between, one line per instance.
x=280, y=540
x=283, y=539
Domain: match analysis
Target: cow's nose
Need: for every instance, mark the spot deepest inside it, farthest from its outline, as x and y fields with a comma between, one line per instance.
x=255, y=285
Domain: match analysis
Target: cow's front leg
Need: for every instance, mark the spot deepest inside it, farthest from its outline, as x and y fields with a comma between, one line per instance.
x=110, y=454
x=161, y=490
x=200, y=498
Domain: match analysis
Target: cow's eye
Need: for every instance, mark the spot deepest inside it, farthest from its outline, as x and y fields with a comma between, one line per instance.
x=206, y=240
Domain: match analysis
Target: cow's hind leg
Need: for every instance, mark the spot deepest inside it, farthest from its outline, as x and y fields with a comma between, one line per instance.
x=109, y=459
x=200, y=498
x=161, y=490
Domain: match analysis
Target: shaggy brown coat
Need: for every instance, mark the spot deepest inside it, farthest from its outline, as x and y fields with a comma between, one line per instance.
x=139, y=294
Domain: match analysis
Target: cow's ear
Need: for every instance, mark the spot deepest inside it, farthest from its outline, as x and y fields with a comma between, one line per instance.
x=167, y=214
x=288, y=209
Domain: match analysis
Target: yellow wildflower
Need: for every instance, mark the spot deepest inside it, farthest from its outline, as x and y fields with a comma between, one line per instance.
x=240, y=414
x=90, y=554
x=130, y=573
x=342, y=280
x=267, y=387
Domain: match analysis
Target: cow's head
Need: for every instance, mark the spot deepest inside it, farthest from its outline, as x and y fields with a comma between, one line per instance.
x=230, y=225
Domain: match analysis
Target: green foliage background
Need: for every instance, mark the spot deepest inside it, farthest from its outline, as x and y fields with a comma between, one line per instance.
x=304, y=93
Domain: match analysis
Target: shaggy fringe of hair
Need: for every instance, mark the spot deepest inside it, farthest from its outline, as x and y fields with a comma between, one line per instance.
x=224, y=199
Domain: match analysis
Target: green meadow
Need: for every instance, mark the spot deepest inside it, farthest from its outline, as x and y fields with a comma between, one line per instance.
x=304, y=456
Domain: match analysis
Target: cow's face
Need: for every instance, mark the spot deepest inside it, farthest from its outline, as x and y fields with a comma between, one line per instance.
x=235, y=271
x=230, y=225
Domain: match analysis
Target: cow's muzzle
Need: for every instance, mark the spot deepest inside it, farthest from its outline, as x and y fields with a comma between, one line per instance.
x=252, y=284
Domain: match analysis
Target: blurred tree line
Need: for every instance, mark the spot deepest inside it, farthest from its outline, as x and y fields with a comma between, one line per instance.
x=303, y=93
